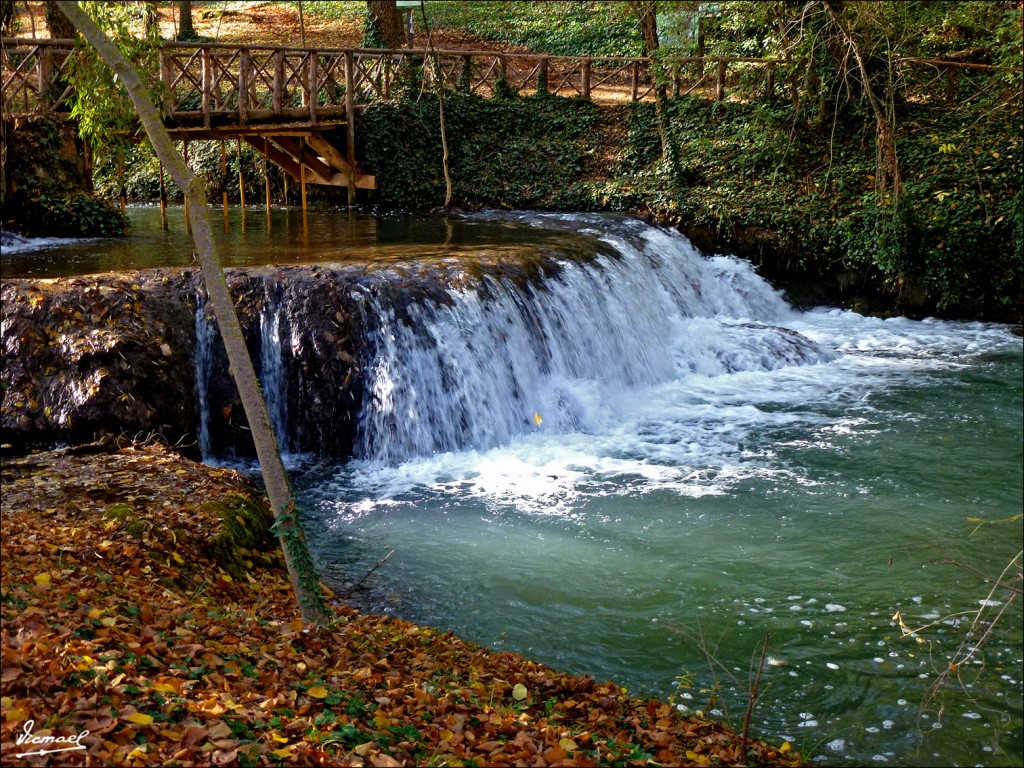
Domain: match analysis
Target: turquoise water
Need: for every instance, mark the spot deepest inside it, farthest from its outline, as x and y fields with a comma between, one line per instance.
x=661, y=533
x=645, y=469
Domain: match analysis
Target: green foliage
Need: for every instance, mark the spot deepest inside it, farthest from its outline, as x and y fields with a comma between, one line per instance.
x=99, y=104
x=64, y=214
x=512, y=153
x=582, y=28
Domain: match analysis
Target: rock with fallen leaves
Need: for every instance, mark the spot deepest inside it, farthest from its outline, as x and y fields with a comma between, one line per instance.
x=127, y=639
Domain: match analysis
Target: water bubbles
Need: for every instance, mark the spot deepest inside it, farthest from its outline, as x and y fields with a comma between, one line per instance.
x=807, y=720
x=834, y=607
x=972, y=715
x=888, y=724
x=837, y=745
x=831, y=665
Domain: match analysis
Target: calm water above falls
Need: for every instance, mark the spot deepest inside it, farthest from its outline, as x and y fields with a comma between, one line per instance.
x=654, y=448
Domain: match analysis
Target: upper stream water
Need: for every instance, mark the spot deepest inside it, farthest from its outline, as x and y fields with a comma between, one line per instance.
x=643, y=467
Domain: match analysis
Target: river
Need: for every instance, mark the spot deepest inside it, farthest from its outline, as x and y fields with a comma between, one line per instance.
x=651, y=465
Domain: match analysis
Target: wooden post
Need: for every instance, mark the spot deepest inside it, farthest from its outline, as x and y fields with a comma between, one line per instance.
x=207, y=81
x=223, y=181
x=769, y=82
x=302, y=172
x=278, y=98
x=241, y=180
x=634, y=81
x=542, y=76
x=585, y=85
x=87, y=163
x=950, y=85
x=243, y=87
x=350, y=127
x=314, y=75
x=44, y=66
x=266, y=176
x=188, y=221
x=720, y=81
x=120, y=181
x=163, y=200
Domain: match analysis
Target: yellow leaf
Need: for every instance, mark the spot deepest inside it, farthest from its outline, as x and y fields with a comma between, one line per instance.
x=95, y=613
x=295, y=625
x=163, y=688
x=567, y=744
x=279, y=738
x=141, y=718
x=382, y=721
x=318, y=692
x=226, y=577
x=283, y=752
x=786, y=746
x=16, y=715
x=519, y=692
x=537, y=419
x=109, y=621
x=178, y=558
x=42, y=578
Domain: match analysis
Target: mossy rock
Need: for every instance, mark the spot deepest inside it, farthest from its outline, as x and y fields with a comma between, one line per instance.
x=245, y=525
x=120, y=512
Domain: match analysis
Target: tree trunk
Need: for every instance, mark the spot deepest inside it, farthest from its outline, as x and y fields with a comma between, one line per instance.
x=186, y=31
x=888, y=171
x=312, y=606
x=385, y=23
x=439, y=81
x=58, y=24
x=647, y=15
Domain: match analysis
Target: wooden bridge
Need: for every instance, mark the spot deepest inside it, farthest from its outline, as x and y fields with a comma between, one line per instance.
x=297, y=106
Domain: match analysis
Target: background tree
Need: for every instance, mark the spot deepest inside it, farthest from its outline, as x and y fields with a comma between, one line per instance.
x=305, y=584
x=186, y=30
x=58, y=24
x=384, y=25
x=7, y=17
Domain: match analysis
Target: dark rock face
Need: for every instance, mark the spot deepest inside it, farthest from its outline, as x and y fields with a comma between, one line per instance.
x=138, y=353
x=116, y=354
x=84, y=357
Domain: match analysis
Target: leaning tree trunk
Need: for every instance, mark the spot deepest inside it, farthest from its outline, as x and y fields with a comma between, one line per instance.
x=647, y=16
x=312, y=606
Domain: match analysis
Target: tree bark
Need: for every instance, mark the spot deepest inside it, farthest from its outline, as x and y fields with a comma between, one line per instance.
x=386, y=22
x=186, y=31
x=305, y=584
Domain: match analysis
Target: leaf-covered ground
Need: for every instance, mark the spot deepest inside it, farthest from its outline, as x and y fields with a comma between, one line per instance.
x=121, y=618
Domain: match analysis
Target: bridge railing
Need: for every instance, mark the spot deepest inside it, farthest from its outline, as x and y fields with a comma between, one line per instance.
x=208, y=83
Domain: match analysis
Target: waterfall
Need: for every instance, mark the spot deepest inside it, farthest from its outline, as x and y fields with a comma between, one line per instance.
x=389, y=362
x=272, y=372
x=205, y=332
x=498, y=358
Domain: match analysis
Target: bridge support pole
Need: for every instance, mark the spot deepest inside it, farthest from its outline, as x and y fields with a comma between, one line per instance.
x=163, y=200
x=241, y=184
x=223, y=181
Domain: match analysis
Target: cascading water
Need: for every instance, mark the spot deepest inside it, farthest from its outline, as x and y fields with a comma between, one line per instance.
x=272, y=373
x=205, y=332
x=497, y=359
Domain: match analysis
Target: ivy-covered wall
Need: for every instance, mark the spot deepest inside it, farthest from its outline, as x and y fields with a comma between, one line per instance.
x=746, y=177
x=46, y=186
